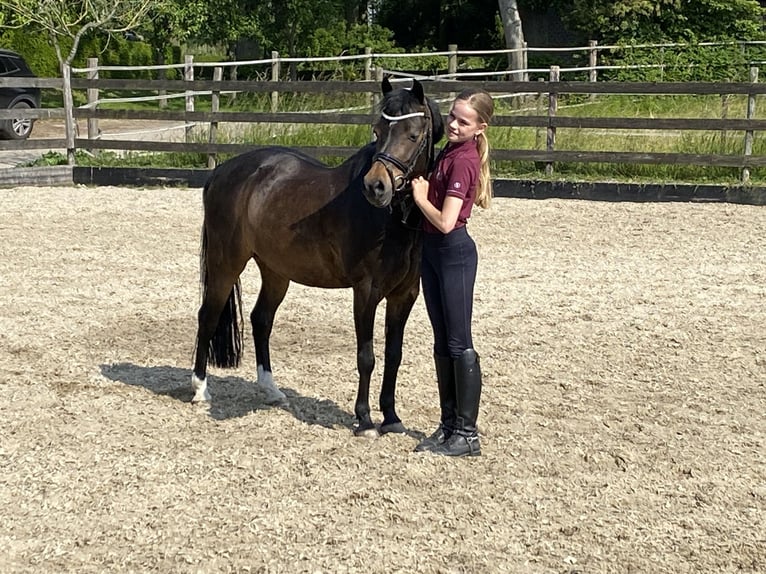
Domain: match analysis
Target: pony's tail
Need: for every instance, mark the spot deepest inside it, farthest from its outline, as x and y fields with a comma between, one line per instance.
x=225, y=348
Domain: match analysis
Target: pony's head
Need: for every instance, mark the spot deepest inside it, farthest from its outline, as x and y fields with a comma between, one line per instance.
x=409, y=126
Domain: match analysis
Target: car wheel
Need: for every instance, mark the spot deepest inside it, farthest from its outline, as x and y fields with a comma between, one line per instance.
x=17, y=129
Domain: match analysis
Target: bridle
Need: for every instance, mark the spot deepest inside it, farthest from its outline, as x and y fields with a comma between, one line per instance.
x=401, y=181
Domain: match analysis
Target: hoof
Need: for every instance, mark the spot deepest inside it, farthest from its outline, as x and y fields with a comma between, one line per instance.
x=397, y=428
x=272, y=395
x=201, y=397
x=201, y=407
x=201, y=394
x=366, y=432
x=276, y=399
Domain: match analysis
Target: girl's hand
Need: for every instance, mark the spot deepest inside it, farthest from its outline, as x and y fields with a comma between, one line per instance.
x=420, y=190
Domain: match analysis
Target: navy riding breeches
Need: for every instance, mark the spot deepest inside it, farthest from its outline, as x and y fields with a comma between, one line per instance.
x=448, y=277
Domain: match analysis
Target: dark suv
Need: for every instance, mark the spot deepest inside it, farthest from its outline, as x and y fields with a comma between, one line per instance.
x=13, y=65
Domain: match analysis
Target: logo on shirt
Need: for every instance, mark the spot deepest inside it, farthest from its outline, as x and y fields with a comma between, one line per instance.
x=456, y=185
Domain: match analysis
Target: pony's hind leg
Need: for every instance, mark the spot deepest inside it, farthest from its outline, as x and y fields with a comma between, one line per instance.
x=207, y=319
x=273, y=291
x=218, y=331
x=218, y=325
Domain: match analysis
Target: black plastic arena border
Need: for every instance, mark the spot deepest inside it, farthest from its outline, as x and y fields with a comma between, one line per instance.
x=528, y=189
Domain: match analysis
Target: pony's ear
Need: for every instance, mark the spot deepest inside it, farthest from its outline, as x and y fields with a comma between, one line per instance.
x=417, y=91
x=386, y=85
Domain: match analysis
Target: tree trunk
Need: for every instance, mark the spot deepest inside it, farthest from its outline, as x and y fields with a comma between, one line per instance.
x=514, y=36
x=355, y=12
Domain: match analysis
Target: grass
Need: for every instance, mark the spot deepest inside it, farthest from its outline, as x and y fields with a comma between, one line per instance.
x=644, y=141
x=627, y=106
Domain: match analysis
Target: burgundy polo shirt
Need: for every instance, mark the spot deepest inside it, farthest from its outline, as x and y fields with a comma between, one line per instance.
x=456, y=174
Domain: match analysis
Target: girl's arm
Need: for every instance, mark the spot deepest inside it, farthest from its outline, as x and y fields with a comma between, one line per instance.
x=443, y=220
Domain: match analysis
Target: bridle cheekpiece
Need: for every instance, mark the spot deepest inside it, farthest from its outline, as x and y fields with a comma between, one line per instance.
x=399, y=182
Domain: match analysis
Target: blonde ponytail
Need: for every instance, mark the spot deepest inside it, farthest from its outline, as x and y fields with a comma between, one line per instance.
x=481, y=101
x=484, y=189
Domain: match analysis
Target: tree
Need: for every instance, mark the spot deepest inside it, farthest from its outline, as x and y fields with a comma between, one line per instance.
x=288, y=25
x=423, y=24
x=222, y=22
x=67, y=23
x=627, y=21
x=355, y=11
x=514, y=35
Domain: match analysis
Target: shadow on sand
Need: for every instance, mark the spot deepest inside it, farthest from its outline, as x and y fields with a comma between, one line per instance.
x=232, y=396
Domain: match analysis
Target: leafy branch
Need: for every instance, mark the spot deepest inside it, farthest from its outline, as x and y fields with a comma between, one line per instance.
x=70, y=21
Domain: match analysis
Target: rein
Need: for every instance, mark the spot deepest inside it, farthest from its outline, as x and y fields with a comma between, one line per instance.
x=401, y=181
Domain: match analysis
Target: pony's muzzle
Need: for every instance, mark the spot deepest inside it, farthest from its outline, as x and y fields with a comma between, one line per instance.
x=378, y=188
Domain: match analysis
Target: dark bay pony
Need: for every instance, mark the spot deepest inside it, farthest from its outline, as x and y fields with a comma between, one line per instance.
x=323, y=227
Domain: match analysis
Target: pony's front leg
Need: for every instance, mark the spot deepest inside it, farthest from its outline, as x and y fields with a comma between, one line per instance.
x=398, y=310
x=364, y=322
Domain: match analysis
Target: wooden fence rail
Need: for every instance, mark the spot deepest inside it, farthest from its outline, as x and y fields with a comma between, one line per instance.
x=550, y=121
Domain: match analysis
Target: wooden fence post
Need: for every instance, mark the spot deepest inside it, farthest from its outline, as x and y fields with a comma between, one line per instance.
x=725, y=101
x=233, y=77
x=92, y=94
x=376, y=93
x=553, y=100
x=368, y=73
x=274, y=78
x=189, y=77
x=215, y=106
x=368, y=63
x=525, y=62
x=70, y=127
x=520, y=101
x=749, y=133
x=592, y=61
x=452, y=65
x=539, y=112
x=452, y=60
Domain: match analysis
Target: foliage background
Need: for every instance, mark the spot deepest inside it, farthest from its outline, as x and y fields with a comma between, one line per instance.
x=252, y=29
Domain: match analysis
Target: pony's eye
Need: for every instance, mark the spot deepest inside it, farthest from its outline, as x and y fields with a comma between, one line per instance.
x=413, y=137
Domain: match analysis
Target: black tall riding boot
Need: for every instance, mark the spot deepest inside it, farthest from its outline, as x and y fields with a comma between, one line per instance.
x=445, y=378
x=464, y=440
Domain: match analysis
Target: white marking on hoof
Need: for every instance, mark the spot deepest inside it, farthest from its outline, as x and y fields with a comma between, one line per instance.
x=201, y=394
x=395, y=428
x=273, y=396
x=367, y=433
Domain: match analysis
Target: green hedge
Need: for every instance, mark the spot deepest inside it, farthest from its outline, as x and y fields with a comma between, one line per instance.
x=41, y=56
x=35, y=48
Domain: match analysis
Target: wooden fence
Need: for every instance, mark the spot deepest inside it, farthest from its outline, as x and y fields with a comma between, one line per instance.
x=550, y=121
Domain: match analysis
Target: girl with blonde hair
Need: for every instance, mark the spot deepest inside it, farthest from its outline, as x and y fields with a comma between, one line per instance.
x=460, y=179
